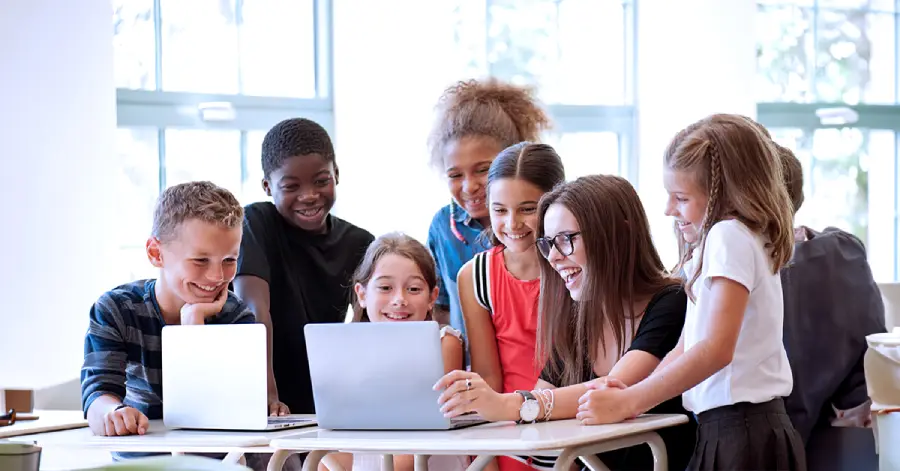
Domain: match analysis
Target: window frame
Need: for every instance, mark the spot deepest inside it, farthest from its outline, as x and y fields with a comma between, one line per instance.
x=875, y=117
x=163, y=110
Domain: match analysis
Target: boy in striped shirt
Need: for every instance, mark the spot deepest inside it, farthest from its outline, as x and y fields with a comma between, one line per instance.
x=195, y=241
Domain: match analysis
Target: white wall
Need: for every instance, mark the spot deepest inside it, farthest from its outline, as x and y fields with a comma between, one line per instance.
x=57, y=131
x=695, y=58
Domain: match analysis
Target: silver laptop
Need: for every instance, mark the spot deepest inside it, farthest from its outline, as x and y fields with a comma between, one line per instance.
x=214, y=377
x=378, y=376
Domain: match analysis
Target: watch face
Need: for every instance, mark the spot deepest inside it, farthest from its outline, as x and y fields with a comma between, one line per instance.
x=530, y=410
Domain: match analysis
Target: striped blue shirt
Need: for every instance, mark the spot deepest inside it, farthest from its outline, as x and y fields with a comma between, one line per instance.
x=122, y=354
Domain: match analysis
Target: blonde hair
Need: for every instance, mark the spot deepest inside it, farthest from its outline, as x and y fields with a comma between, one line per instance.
x=203, y=201
x=393, y=243
x=489, y=108
x=734, y=162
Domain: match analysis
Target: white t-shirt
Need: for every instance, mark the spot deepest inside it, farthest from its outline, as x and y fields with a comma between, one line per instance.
x=759, y=371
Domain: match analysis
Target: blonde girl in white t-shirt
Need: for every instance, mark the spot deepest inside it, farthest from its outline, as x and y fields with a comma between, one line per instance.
x=733, y=214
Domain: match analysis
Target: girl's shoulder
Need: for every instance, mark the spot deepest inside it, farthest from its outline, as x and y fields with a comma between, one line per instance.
x=733, y=233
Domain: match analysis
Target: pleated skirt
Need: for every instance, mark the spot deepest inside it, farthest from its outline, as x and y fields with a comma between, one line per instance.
x=748, y=437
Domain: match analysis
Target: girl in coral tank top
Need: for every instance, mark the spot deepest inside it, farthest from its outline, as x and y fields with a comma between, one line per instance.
x=499, y=288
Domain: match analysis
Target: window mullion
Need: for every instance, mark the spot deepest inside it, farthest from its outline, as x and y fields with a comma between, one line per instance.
x=157, y=43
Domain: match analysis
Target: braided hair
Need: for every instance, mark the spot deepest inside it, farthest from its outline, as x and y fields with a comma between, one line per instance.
x=734, y=161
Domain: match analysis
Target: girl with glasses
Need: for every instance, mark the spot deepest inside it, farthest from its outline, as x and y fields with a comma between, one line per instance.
x=609, y=311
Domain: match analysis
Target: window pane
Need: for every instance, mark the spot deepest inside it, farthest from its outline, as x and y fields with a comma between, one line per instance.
x=870, y=5
x=849, y=181
x=572, y=50
x=785, y=53
x=855, y=56
x=587, y=153
x=826, y=55
x=204, y=155
x=134, y=44
x=199, y=46
x=278, y=48
x=137, y=186
x=252, y=191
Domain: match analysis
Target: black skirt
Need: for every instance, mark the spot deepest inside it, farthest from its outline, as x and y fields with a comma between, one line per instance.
x=747, y=436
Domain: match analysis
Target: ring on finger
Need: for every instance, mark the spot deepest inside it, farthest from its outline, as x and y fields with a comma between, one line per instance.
x=468, y=384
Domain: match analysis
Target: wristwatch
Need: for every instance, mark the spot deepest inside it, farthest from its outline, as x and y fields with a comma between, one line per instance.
x=530, y=409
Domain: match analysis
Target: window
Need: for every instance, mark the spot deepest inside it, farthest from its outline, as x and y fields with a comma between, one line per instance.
x=199, y=83
x=580, y=56
x=828, y=89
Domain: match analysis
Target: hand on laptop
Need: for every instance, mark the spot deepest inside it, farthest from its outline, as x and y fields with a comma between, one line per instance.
x=277, y=407
x=124, y=421
x=467, y=392
x=196, y=314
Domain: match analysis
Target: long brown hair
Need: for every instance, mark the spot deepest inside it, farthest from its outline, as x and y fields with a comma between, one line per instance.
x=623, y=266
x=734, y=162
x=398, y=244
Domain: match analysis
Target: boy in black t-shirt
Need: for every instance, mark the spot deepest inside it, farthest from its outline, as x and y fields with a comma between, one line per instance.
x=296, y=259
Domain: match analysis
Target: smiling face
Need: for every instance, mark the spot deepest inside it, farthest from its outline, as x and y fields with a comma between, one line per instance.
x=197, y=264
x=466, y=163
x=396, y=292
x=687, y=204
x=303, y=190
x=559, y=226
x=513, y=204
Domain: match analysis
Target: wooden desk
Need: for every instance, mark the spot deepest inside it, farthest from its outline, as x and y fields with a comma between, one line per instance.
x=48, y=421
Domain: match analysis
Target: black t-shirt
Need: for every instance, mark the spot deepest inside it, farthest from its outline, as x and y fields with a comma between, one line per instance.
x=657, y=334
x=309, y=282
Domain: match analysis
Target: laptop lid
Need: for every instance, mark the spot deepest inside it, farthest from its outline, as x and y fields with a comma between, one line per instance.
x=376, y=375
x=214, y=376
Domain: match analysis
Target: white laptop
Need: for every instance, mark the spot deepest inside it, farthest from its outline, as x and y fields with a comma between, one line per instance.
x=378, y=376
x=214, y=377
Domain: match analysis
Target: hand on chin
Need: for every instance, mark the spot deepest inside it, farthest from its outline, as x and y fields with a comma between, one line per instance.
x=196, y=313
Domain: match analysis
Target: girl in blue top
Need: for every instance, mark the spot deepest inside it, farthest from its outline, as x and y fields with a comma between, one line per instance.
x=475, y=121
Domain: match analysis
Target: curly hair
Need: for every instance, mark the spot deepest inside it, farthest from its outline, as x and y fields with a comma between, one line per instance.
x=490, y=108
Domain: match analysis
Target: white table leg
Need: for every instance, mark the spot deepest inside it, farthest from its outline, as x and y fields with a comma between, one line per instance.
x=234, y=457
x=657, y=447
x=387, y=462
x=480, y=462
x=310, y=464
x=421, y=463
x=660, y=457
x=593, y=463
x=332, y=463
x=276, y=462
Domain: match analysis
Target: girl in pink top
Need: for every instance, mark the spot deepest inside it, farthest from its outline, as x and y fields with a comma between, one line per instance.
x=499, y=288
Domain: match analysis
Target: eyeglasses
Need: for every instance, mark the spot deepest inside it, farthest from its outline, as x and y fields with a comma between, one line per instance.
x=562, y=242
x=9, y=418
